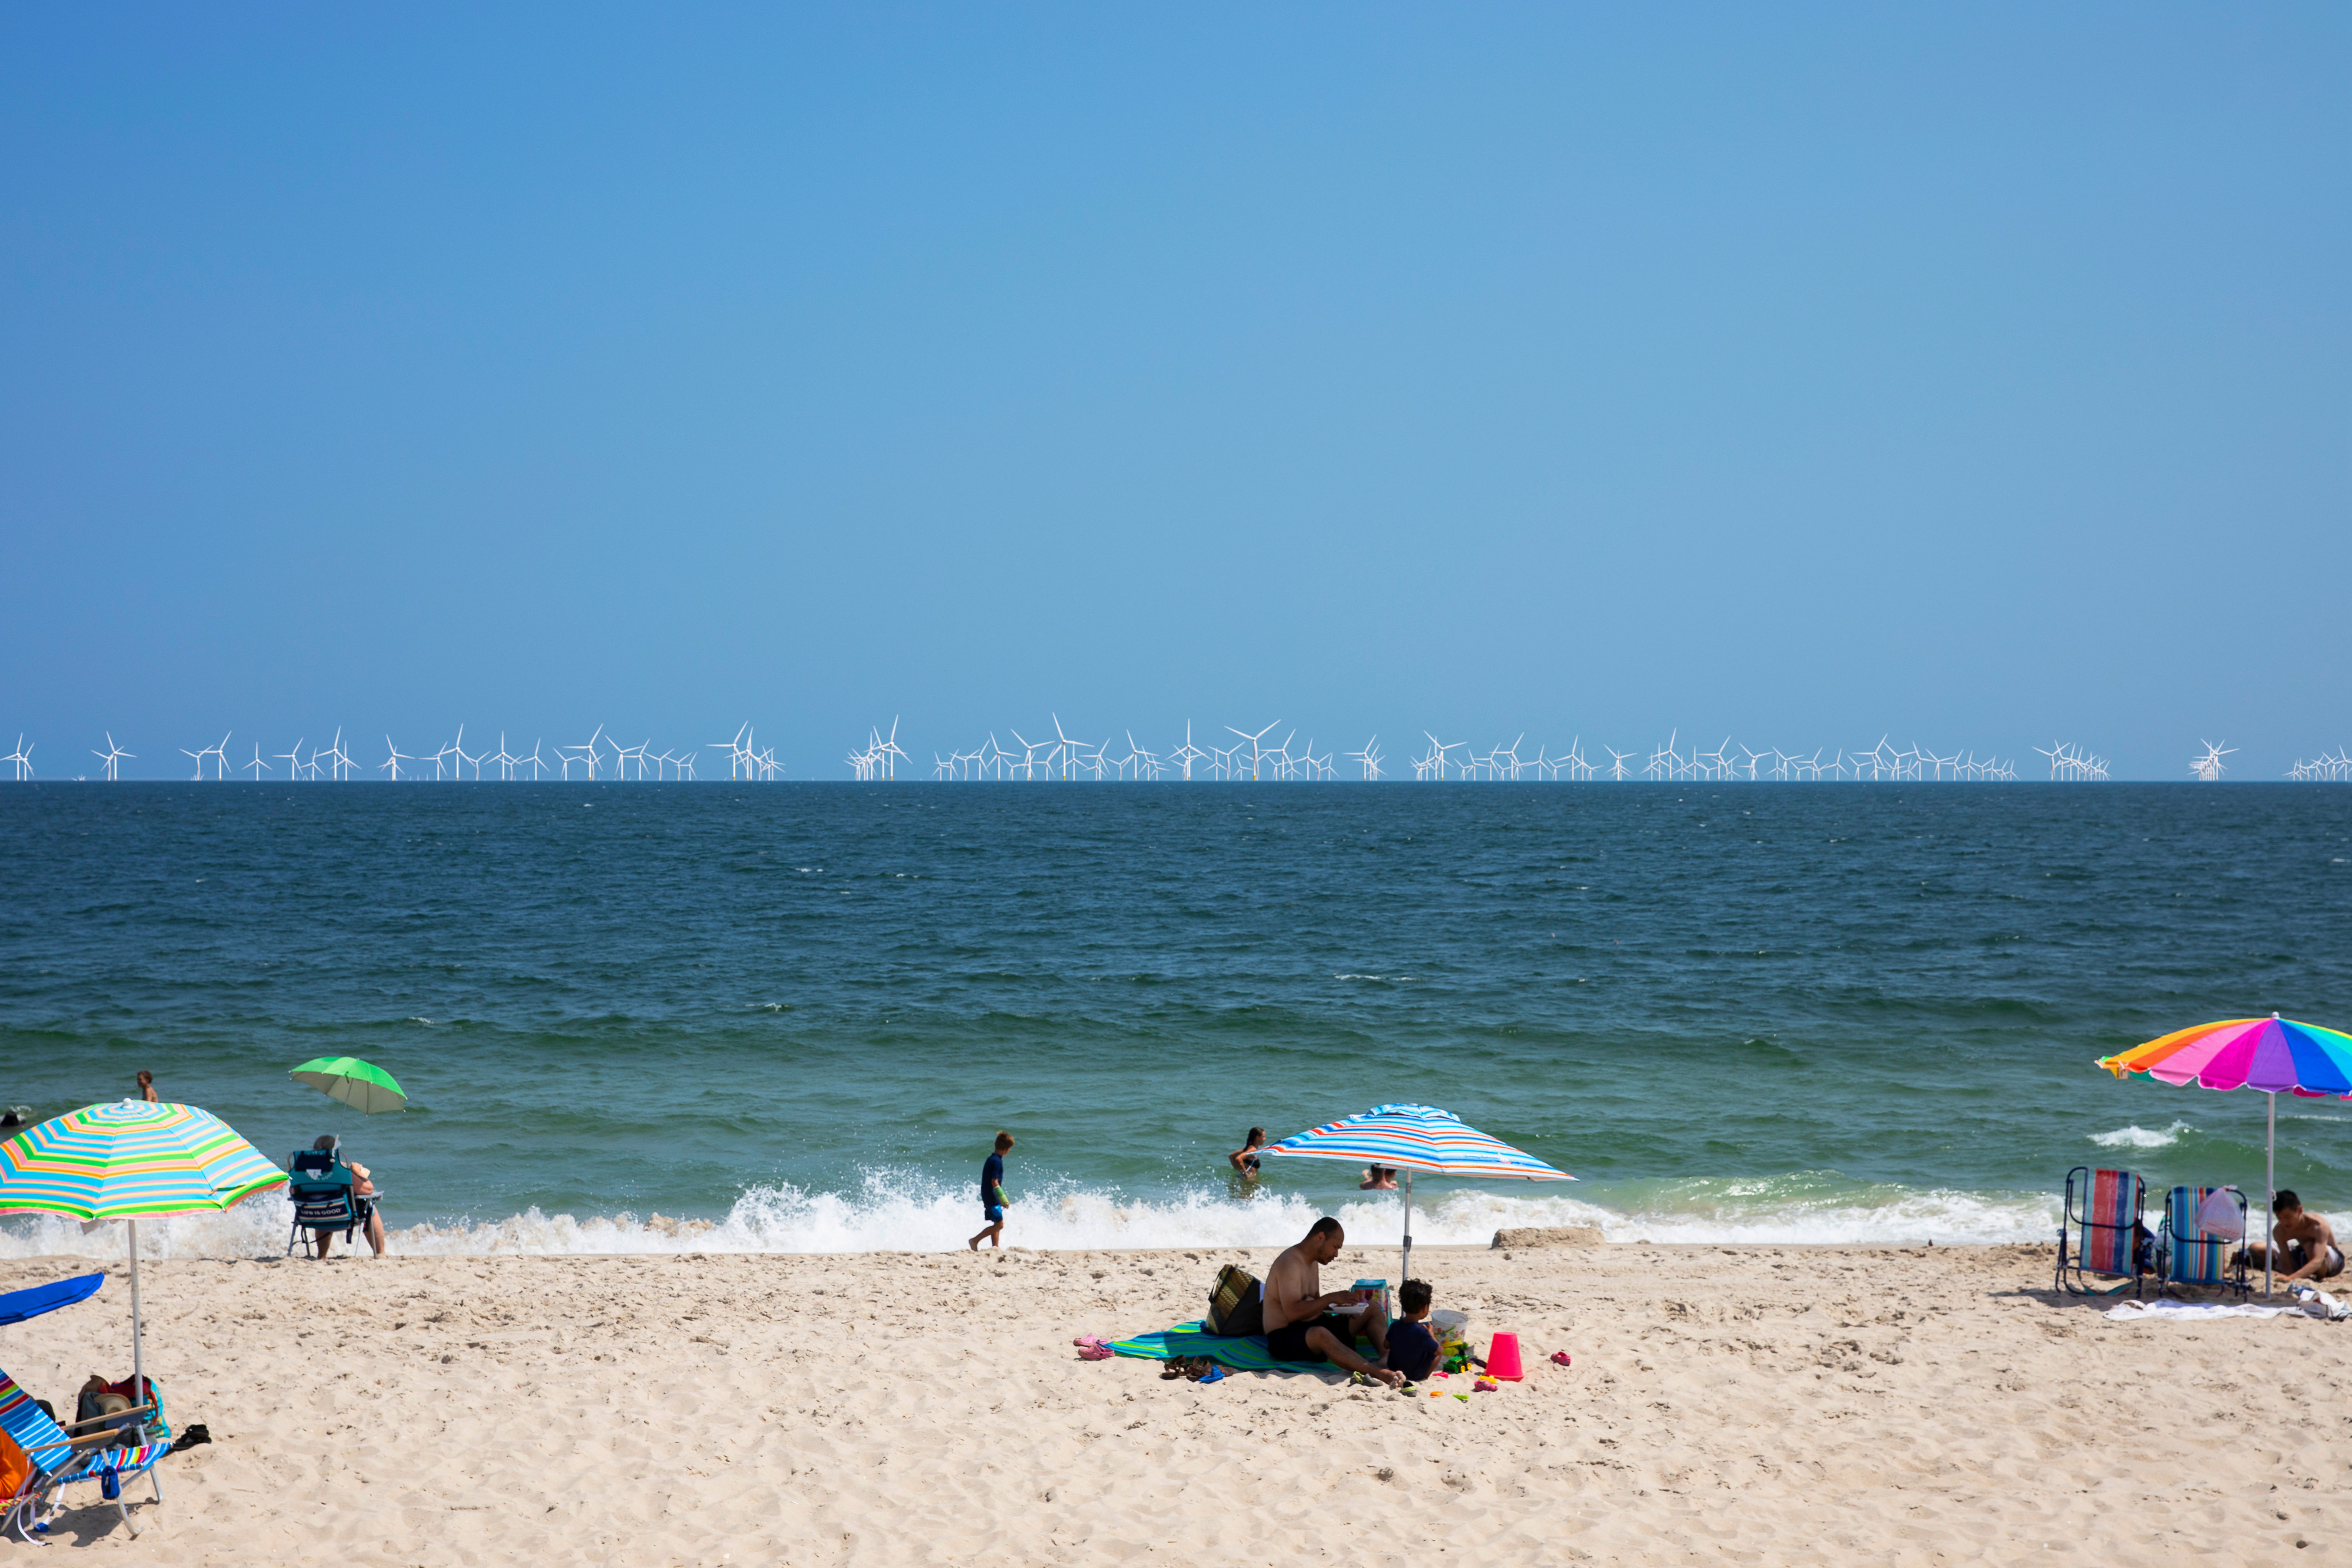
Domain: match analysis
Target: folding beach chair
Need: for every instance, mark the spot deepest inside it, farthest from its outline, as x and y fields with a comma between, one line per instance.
x=55, y=1461
x=2203, y=1228
x=2102, y=1223
x=320, y=1185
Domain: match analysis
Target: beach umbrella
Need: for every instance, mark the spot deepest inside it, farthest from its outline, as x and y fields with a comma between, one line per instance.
x=354, y=1082
x=1418, y=1138
x=127, y=1162
x=2274, y=1055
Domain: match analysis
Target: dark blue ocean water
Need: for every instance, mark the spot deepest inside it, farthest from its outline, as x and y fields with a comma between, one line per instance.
x=799, y=1011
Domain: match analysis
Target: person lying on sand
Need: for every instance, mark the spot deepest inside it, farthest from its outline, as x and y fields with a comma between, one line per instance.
x=1300, y=1324
x=2306, y=1243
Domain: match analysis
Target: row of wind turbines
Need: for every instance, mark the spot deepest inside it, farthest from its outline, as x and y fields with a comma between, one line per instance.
x=1249, y=757
x=1064, y=755
x=597, y=757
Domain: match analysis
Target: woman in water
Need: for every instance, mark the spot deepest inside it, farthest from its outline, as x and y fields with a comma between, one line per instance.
x=1244, y=1159
x=147, y=1085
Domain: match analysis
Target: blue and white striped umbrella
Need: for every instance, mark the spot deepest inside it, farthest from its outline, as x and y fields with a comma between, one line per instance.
x=1418, y=1138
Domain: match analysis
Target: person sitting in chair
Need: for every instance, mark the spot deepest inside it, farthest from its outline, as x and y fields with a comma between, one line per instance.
x=1300, y=1320
x=2306, y=1243
x=363, y=1198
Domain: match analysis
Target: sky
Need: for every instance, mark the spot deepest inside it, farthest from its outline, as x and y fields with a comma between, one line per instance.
x=1975, y=374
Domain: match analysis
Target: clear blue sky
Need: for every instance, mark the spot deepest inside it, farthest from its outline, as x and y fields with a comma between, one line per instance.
x=1977, y=372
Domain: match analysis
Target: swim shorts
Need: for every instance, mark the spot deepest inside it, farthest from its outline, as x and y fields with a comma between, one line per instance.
x=1289, y=1342
x=995, y=1213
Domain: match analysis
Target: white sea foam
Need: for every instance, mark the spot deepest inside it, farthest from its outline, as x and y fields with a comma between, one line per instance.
x=2140, y=1137
x=899, y=1212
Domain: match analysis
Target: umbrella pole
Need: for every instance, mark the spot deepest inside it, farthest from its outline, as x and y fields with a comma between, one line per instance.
x=138, y=1362
x=1408, y=1232
x=2270, y=1180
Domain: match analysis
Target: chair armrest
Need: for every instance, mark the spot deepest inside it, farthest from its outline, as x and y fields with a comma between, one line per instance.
x=100, y=1420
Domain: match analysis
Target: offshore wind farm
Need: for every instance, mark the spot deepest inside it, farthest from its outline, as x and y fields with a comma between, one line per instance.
x=1225, y=754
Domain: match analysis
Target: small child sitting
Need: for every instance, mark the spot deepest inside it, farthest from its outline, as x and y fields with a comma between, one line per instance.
x=1412, y=1349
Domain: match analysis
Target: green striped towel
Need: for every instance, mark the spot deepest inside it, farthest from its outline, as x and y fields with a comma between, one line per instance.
x=1245, y=1353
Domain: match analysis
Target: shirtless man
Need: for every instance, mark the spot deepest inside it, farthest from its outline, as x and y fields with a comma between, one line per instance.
x=1299, y=1322
x=2306, y=1243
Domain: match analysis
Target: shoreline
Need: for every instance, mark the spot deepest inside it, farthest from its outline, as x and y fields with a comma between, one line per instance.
x=1761, y=1402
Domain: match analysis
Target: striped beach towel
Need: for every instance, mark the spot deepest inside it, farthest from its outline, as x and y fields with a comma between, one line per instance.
x=1245, y=1352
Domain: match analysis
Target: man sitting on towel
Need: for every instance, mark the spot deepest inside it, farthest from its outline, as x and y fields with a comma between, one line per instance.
x=1300, y=1322
x=2306, y=1243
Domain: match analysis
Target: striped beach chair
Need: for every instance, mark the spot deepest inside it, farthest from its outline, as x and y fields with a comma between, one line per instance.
x=2203, y=1229
x=54, y=1461
x=2099, y=1232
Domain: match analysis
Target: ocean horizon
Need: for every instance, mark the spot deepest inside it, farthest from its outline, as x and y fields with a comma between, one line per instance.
x=638, y=1017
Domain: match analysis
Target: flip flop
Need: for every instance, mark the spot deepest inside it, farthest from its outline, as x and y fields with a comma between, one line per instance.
x=1214, y=1374
x=1095, y=1352
x=1084, y=1339
x=1561, y=1358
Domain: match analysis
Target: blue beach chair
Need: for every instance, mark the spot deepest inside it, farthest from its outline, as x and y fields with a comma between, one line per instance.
x=2193, y=1249
x=2101, y=1224
x=55, y=1461
x=320, y=1185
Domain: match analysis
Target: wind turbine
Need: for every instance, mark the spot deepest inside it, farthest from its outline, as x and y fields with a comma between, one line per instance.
x=293, y=760
x=1190, y=754
x=2209, y=768
x=258, y=766
x=23, y=757
x=1256, y=752
x=537, y=763
x=390, y=764
x=1370, y=757
x=112, y=757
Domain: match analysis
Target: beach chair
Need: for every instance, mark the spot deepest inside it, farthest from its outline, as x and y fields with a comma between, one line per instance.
x=320, y=1185
x=2099, y=1232
x=55, y=1461
x=2203, y=1228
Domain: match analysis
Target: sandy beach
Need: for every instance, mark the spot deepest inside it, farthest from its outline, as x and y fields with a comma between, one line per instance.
x=1762, y=1404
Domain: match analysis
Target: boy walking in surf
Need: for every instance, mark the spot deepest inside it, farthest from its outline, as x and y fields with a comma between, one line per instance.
x=991, y=1195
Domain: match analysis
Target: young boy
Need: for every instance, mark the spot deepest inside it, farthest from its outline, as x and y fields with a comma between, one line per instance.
x=1412, y=1349
x=991, y=1195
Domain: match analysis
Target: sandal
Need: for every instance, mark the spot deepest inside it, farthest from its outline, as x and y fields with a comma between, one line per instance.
x=1175, y=1369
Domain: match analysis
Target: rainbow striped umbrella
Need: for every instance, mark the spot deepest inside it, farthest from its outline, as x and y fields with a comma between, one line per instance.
x=2274, y=1055
x=1418, y=1138
x=127, y=1161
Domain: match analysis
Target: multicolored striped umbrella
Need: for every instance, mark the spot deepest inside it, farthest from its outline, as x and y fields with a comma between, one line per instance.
x=1417, y=1138
x=130, y=1159
x=2276, y=1056
x=126, y=1161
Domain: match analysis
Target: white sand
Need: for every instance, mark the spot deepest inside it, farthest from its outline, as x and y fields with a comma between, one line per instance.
x=1750, y=1404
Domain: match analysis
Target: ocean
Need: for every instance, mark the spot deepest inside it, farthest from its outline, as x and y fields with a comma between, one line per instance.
x=791, y=1017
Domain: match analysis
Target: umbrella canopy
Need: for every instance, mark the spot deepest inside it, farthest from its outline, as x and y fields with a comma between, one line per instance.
x=126, y=1161
x=1417, y=1138
x=354, y=1082
x=18, y=1305
x=2275, y=1056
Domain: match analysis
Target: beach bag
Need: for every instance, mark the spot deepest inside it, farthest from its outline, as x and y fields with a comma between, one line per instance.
x=2219, y=1217
x=14, y=1467
x=1237, y=1305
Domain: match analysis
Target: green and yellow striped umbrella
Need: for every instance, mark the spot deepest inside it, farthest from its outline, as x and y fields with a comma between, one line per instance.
x=127, y=1161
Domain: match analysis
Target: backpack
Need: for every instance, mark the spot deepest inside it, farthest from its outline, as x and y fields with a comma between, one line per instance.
x=1237, y=1305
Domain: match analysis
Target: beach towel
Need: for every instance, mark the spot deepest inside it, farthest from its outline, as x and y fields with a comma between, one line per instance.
x=2184, y=1311
x=1245, y=1353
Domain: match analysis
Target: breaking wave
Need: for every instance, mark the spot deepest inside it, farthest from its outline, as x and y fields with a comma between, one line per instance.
x=900, y=1212
x=2140, y=1137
